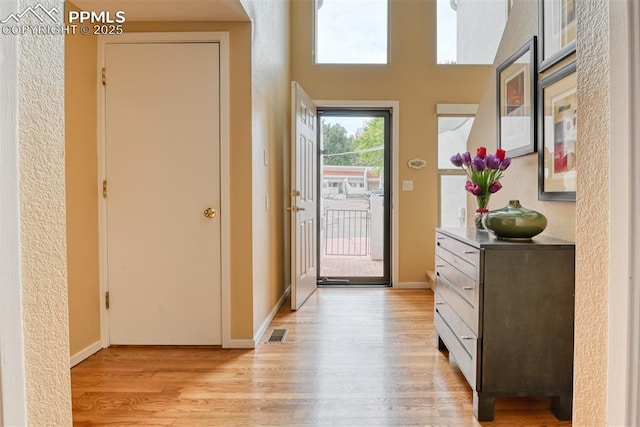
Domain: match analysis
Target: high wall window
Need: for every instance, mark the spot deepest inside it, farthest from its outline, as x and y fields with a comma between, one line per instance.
x=453, y=132
x=351, y=31
x=469, y=31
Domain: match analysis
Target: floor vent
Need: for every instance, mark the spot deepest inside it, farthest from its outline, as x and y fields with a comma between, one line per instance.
x=278, y=336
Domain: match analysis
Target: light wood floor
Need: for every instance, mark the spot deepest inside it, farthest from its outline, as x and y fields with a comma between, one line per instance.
x=353, y=357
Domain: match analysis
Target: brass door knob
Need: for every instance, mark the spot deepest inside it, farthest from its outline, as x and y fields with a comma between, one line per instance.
x=209, y=213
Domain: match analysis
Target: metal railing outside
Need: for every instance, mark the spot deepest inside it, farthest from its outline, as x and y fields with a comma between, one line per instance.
x=346, y=232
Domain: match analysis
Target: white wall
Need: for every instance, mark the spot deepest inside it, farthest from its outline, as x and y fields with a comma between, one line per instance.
x=43, y=252
x=593, y=202
x=480, y=27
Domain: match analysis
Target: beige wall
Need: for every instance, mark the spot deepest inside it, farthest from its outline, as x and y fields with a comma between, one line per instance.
x=81, y=155
x=270, y=129
x=412, y=78
x=43, y=247
x=521, y=179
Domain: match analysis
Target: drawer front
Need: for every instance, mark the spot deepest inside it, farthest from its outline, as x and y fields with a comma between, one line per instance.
x=457, y=261
x=467, y=287
x=460, y=342
x=464, y=251
x=468, y=313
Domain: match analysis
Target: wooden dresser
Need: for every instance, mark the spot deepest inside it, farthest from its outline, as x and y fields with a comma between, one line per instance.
x=505, y=313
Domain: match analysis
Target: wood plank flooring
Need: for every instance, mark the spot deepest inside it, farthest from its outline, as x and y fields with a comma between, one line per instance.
x=353, y=357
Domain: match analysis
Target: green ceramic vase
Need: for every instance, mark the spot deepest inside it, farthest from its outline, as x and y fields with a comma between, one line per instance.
x=513, y=222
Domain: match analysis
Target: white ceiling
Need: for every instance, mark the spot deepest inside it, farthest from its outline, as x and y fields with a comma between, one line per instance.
x=169, y=10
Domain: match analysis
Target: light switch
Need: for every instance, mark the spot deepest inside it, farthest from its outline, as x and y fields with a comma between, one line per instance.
x=407, y=185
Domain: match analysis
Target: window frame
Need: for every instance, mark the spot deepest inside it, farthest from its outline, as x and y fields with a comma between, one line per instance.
x=314, y=53
x=451, y=110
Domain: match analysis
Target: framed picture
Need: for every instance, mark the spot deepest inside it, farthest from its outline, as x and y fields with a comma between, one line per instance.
x=516, y=88
x=558, y=125
x=556, y=32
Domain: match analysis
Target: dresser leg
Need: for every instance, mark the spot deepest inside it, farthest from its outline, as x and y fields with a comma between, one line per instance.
x=441, y=345
x=483, y=406
x=562, y=406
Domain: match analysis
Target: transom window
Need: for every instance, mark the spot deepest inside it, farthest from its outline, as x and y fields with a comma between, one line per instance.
x=351, y=31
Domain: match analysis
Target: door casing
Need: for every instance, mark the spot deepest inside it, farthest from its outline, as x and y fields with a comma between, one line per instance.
x=386, y=114
x=394, y=107
x=224, y=212
x=13, y=394
x=623, y=329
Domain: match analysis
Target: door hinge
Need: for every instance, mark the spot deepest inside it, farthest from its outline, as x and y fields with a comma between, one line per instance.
x=104, y=188
x=106, y=300
x=104, y=77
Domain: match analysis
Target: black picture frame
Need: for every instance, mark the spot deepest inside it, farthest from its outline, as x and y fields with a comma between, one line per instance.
x=516, y=101
x=556, y=31
x=557, y=135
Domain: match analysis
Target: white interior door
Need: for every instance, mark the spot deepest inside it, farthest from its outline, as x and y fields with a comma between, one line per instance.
x=304, y=152
x=162, y=121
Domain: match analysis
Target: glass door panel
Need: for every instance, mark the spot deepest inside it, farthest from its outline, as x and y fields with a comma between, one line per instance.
x=354, y=186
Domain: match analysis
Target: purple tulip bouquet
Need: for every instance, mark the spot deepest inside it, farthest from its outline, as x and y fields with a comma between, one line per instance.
x=483, y=172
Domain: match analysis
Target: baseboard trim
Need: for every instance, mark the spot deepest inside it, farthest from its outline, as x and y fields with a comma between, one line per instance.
x=240, y=344
x=269, y=319
x=86, y=353
x=431, y=274
x=412, y=285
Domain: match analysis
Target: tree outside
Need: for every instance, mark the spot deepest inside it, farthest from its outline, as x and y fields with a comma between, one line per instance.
x=365, y=149
x=336, y=141
x=372, y=138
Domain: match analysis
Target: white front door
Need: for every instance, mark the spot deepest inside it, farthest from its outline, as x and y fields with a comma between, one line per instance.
x=162, y=142
x=304, y=154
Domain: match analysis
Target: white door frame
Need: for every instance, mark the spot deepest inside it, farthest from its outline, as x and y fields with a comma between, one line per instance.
x=634, y=366
x=623, y=376
x=394, y=106
x=225, y=214
x=13, y=397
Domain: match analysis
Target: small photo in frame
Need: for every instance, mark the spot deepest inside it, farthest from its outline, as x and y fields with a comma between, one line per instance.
x=556, y=32
x=516, y=101
x=557, y=167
